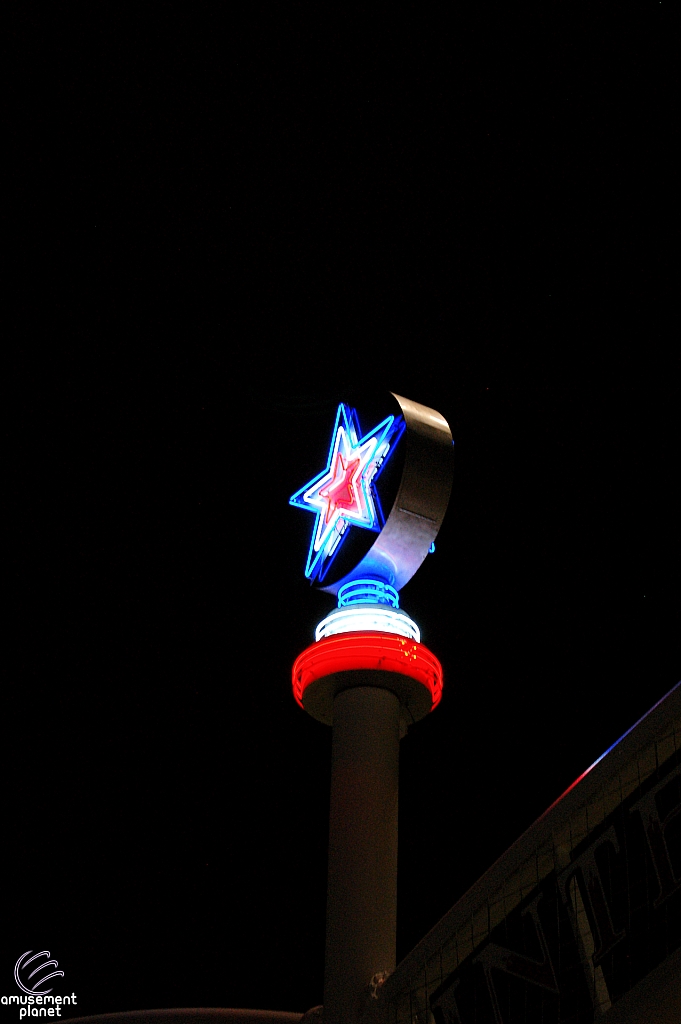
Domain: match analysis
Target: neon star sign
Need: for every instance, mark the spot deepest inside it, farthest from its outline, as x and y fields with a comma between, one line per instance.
x=344, y=493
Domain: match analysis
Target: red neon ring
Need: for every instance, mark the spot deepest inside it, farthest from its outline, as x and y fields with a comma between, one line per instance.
x=368, y=650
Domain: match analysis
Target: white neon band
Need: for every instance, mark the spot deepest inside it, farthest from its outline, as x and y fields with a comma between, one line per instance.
x=368, y=617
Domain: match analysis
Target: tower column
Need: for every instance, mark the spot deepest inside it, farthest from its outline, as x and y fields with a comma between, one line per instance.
x=362, y=872
x=368, y=670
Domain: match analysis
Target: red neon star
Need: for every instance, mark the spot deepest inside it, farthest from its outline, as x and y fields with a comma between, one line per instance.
x=340, y=493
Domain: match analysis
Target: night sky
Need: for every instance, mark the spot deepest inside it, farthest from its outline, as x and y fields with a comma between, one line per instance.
x=219, y=227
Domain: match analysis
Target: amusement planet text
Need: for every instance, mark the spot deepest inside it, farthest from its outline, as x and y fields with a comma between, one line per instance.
x=35, y=1006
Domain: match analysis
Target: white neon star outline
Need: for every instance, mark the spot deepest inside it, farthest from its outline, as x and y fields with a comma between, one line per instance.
x=341, y=495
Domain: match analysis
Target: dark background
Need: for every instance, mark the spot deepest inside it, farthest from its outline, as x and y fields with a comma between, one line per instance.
x=216, y=224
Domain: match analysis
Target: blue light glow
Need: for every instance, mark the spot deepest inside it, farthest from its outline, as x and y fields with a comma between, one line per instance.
x=344, y=493
x=367, y=592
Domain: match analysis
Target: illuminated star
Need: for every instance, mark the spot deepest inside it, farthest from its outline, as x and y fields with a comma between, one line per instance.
x=343, y=494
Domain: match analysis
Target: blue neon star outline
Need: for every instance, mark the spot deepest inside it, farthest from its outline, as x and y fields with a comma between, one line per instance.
x=371, y=453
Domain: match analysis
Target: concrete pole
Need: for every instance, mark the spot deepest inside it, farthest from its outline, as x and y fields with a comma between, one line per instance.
x=361, y=913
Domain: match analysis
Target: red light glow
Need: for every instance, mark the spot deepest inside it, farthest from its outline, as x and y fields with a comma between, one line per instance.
x=340, y=493
x=369, y=650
